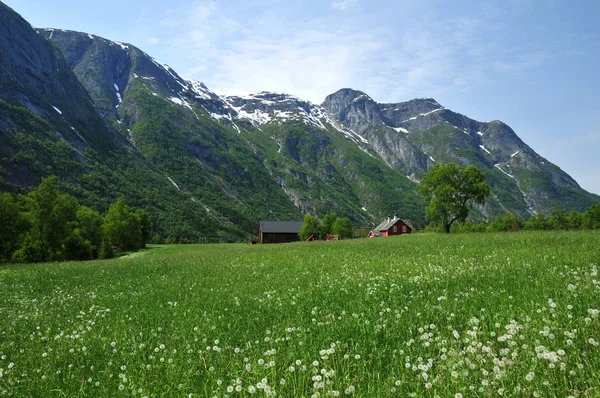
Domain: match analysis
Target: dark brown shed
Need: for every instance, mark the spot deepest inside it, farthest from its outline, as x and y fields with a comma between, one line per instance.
x=279, y=231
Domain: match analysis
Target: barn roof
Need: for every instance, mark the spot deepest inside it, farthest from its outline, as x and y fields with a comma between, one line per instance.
x=389, y=223
x=282, y=227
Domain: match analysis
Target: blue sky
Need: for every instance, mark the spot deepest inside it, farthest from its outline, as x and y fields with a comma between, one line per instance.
x=530, y=63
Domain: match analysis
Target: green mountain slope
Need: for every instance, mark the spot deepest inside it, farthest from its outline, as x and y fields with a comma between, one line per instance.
x=50, y=124
x=224, y=156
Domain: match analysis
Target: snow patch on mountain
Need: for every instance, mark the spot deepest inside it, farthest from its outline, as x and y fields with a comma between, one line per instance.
x=485, y=149
x=174, y=183
x=500, y=168
x=362, y=96
x=123, y=46
x=79, y=135
x=422, y=115
x=118, y=94
x=200, y=90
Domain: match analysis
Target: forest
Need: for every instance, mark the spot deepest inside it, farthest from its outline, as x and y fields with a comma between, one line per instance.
x=48, y=225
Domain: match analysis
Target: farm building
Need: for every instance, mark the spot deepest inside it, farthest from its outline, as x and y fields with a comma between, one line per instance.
x=391, y=226
x=279, y=231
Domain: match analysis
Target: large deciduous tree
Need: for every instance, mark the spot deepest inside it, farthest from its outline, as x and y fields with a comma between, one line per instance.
x=327, y=224
x=452, y=192
x=51, y=215
x=310, y=227
x=591, y=217
x=342, y=227
x=12, y=226
x=122, y=227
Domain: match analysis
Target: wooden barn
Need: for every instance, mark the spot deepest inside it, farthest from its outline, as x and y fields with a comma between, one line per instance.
x=391, y=226
x=279, y=231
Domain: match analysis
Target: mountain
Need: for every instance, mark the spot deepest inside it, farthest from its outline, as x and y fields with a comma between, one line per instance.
x=411, y=136
x=53, y=122
x=272, y=155
x=111, y=121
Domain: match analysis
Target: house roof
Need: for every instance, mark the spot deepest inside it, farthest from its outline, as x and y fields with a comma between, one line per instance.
x=282, y=227
x=389, y=223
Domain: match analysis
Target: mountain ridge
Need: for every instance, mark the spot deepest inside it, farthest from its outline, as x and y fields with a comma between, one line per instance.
x=231, y=160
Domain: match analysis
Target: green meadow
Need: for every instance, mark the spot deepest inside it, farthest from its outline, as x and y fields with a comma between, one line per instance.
x=422, y=315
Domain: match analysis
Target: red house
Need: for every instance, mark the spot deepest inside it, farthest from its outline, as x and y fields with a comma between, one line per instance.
x=391, y=226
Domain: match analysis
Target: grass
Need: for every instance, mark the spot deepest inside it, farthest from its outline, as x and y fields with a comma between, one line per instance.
x=421, y=315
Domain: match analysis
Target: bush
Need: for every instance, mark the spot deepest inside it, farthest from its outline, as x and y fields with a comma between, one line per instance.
x=77, y=248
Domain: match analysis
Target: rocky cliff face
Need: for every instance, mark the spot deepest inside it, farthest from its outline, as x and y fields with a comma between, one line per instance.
x=321, y=165
x=379, y=126
x=413, y=135
x=43, y=105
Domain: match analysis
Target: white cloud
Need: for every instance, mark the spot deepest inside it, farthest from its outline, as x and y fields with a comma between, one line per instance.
x=312, y=59
x=393, y=60
x=343, y=5
x=310, y=65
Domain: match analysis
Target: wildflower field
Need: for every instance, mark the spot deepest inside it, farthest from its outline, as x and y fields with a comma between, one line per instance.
x=424, y=315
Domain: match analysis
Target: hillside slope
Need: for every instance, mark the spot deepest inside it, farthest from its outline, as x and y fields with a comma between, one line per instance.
x=263, y=152
x=53, y=124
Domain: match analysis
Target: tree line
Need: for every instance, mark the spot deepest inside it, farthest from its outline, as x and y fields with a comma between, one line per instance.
x=557, y=220
x=47, y=225
x=331, y=225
